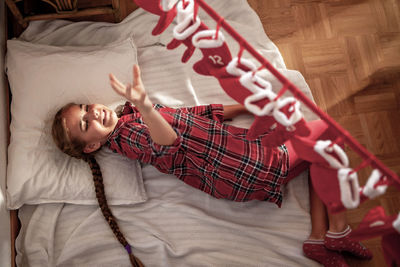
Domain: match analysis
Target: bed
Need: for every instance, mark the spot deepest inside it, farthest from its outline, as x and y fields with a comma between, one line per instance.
x=167, y=222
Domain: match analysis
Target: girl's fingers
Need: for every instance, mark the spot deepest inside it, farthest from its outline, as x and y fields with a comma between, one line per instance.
x=113, y=78
x=136, y=75
x=116, y=88
x=117, y=85
x=128, y=91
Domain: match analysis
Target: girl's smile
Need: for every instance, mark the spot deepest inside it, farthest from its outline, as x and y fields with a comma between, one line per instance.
x=91, y=124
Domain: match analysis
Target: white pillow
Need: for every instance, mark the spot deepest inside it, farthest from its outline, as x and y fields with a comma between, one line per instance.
x=43, y=79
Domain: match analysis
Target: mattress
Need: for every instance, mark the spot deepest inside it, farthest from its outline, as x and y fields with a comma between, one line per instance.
x=177, y=225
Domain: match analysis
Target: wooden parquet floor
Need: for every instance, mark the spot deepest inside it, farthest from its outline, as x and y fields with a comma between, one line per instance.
x=349, y=53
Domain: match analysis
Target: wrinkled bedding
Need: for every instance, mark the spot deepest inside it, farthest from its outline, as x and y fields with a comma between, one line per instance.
x=177, y=225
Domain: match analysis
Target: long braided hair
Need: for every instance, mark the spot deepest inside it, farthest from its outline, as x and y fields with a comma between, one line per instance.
x=75, y=148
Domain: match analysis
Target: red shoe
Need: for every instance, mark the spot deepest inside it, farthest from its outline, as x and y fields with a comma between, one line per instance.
x=315, y=250
x=342, y=242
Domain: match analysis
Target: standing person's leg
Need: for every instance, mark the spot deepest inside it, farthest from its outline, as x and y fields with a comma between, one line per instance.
x=318, y=130
x=314, y=247
x=338, y=237
x=337, y=222
x=319, y=216
x=330, y=235
x=329, y=232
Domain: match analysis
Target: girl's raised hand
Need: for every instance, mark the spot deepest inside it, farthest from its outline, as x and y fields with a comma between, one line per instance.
x=160, y=131
x=134, y=93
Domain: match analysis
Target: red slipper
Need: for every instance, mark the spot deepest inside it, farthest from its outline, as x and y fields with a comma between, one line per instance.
x=342, y=242
x=315, y=250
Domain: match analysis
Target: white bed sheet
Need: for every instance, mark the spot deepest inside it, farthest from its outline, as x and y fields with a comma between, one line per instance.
x=178, y=225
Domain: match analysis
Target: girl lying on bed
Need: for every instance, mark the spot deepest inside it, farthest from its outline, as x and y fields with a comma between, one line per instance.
x=195, y=145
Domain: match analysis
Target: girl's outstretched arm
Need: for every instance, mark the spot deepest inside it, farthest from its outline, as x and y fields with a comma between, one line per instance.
x=160, y=130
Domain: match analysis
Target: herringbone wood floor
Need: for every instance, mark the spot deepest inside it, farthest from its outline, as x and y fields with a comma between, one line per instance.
x=349, y=54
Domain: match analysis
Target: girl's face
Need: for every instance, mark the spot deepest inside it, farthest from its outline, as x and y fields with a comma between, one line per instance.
x=91, y=124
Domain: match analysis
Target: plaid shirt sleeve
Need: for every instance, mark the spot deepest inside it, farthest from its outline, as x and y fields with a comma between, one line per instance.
x=163, y=150
x=212, y=111
x=135, y=141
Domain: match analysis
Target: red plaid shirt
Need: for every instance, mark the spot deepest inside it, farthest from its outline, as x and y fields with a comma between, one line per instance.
x=209, y=155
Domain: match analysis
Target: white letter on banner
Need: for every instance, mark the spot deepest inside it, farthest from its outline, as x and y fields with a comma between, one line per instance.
x=349, y=188
x=183, y=13
x=202, y=39
x=182, y=30
x=322, y=147
x=256, y=110
x=281, y=117
x=255, y=83
x=261, y=89
x=369, y=189
x=232, y=67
